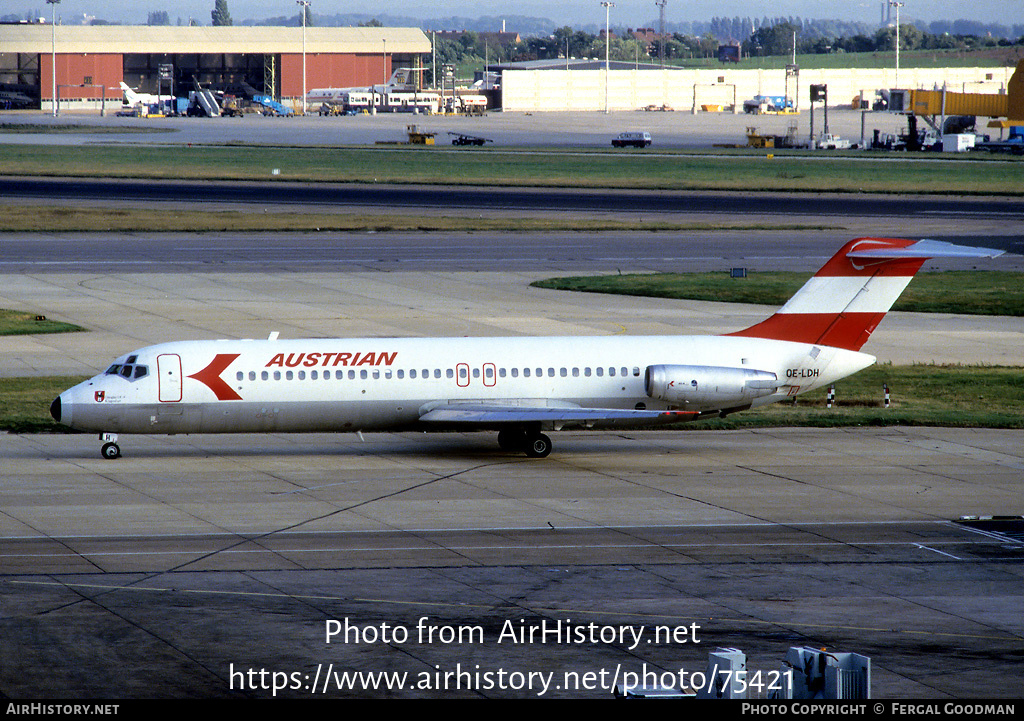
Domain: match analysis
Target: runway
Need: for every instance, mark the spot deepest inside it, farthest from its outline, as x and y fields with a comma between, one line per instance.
x=209, y=566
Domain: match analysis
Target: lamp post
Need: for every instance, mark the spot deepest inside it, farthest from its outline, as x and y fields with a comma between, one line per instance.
x=607, y=45
x=304, y=5
x=897, y=5
x=53, y=54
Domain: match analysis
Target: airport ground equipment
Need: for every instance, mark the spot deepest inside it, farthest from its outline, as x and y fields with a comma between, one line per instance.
x=820, y=674
x=769, y=104
x=806, y=674
x=204, y=102
x=272, y=107
x=463, y=139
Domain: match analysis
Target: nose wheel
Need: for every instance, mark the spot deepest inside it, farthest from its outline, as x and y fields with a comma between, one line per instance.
x=110, y=449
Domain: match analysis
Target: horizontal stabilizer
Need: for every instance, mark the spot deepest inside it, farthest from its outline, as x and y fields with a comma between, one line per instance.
x=925, y=249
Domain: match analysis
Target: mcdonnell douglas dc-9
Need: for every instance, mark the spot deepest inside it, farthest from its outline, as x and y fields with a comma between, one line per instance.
x=518, y=386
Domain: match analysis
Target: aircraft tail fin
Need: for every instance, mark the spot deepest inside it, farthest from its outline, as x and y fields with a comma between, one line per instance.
x=846, y=300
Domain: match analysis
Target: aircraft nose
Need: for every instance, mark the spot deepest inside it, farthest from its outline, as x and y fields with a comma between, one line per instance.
x=60, y=409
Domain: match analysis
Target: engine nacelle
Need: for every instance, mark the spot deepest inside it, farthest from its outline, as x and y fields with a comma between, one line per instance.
x=708, y=387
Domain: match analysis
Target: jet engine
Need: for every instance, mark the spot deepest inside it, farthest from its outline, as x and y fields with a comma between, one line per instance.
x=708, y=387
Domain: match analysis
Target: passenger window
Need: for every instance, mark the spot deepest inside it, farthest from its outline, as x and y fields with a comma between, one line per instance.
x=313, y=375
x=551, y=372
x=401, y=375
x=563, y=372
x=252, y=375
x=624, y=371
x=450, y=373
x=352, y=375
x=362, y=375
x=515, y=372
x=437, y=372
x=412, y=373
x=636, y=371
x=611, y=371
x=289, y=375
x=277, y=375
x=239, y=376
x=501, y=372
x=476, y=372
x=302, y=375
x=264, y=375
x=526, y=372
x=600, y=372
x=586, y=372
x=340, y=375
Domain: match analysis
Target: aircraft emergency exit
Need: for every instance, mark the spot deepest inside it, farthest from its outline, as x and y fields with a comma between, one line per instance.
x=517, y=386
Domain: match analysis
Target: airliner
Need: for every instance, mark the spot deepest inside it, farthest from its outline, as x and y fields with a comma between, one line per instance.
x=518, y=386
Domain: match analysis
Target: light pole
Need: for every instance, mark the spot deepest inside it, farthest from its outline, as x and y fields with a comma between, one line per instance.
x=304, y=5
x=607, y=45
x=53, y=54
x=897, y=5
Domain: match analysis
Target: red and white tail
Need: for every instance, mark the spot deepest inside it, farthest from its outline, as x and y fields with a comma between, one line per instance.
x=847, y=299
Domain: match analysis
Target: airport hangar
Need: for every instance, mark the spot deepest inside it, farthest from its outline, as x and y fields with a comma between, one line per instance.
x=91, y=61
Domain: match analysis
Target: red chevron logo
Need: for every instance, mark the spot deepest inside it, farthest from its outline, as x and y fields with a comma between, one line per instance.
x=210, y=377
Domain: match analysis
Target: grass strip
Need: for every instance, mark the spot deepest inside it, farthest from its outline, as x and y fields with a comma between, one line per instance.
x=27, y=219
x=491, y=167
x=961, y=396
x=17, y=322
x=71, y=129
x=956, y=396
x=971, y=292
x=25, y=403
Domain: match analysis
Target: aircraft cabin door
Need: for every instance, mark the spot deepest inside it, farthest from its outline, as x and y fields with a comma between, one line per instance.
x=168, y=367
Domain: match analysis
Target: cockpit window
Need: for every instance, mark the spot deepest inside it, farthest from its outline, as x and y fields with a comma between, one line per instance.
x=127, y=370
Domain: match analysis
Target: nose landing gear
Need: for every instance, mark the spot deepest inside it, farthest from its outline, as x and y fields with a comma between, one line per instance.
x=110, y=449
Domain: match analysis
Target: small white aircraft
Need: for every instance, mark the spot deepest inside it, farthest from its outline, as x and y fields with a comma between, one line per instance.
x=132, y=98
x=517, y=386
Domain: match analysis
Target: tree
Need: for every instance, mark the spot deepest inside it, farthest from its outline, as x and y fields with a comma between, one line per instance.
x=158, y=18
x=220, y=13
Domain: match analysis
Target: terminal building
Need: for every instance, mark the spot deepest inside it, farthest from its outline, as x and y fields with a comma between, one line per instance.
x=92, y=61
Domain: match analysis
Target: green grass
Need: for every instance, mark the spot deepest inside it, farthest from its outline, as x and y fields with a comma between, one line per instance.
x=65, y=129
x=965, y=292
x=920, y=395
x=16, y=322
x=25, y=403
x=931, y=395
x=27, y=219
x=743, y=171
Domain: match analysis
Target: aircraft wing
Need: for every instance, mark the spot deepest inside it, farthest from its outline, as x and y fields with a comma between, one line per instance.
x=519, y=411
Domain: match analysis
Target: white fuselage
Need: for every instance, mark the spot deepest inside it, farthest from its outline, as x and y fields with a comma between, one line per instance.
x=389, y=383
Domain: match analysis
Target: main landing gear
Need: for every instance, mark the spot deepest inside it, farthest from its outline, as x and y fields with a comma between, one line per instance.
x=534, y=443
x=110, y=449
